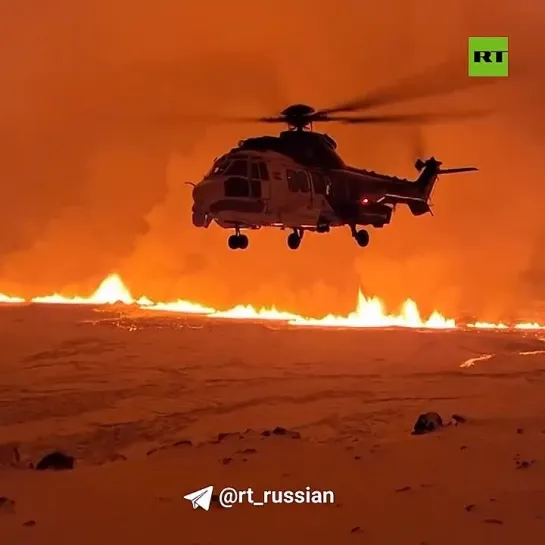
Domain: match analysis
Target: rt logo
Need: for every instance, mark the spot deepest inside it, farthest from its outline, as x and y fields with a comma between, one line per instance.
x=488, y=57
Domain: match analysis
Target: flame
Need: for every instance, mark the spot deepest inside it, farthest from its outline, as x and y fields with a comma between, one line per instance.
x=10, y=300
x=370, y=312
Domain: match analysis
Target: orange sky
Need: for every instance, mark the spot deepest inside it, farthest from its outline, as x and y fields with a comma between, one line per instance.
x=93, y=183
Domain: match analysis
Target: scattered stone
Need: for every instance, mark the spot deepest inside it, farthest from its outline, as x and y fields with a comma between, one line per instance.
x=226, y=461
x=224, y=435
x=56, y=461
x=520, y=431
x=458, y=419
x=404, y=489
x=357, y=457
x=7, y=505
x=524, y=464
x=469, y=507
x=247, y=451
x=9, y=455
x=463, y=447
x=29, y=523
x=281, y=431
x=182, y=443
x=116, y=457
x=427, y=423
x=356, y=530
x=493, y=521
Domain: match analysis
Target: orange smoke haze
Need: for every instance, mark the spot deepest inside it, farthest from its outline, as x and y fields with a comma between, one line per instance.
x=93, y=176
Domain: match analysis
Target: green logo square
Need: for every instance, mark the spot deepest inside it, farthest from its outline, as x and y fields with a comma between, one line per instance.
x=488, y=57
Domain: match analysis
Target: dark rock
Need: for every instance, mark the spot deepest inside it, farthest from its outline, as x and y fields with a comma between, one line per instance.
x=183, y=443
x=29, y=523
x=524, y=464
x=281, y=431
x=248, y=451
x=493, y=521
x=427, y=423
x=520, y=431
x=226, y=461
x=356, y=530
x=56, y=461
x=7, y=505
x=116, y=457
x=9, y=455
x=404, y=489
x=458, y=419
x=463, y=447
x=469, y=507
x=357, y=457
x=224, y=435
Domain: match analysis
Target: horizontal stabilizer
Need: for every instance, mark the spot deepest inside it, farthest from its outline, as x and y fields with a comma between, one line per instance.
x=455, y=170
x=419, y=208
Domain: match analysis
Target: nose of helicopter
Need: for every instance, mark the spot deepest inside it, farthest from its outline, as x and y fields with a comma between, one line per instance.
x=203, y=196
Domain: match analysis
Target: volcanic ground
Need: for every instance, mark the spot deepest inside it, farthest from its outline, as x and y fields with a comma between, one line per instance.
x=139, y=399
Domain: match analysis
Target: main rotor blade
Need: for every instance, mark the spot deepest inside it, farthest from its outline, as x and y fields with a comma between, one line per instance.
x=406, y=118
x=443, y=79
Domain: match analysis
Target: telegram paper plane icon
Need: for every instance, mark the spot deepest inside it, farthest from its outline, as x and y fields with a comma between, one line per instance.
x=201, y=498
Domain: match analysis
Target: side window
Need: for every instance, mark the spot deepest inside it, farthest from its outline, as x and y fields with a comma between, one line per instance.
x=297, y=181
x=255, y=189
x=291, y=175
x=264, y=172
x=237, y=168
x=327, y=182
x=236, y=187
x=319, y=183
x=302, y=181
x=254, y=171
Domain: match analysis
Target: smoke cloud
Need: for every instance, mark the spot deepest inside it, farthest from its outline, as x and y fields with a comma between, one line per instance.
x=95, y=150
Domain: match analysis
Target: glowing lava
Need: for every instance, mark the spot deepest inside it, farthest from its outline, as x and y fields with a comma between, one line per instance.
x=370, y=312
x=10, y=300
x=112, y=290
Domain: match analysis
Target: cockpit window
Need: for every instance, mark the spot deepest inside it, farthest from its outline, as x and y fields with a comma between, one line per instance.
x=237, y=168
x=237, y=187
x=219, y=167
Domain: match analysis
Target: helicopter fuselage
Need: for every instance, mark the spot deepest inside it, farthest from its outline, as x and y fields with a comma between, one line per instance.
x=299, y=182
x=251, y=189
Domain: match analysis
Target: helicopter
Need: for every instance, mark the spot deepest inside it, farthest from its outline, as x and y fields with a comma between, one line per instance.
x=298, y=181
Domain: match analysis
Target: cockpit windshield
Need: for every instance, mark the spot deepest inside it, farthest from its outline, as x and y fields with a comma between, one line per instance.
x=219, y=167
x=238, y=167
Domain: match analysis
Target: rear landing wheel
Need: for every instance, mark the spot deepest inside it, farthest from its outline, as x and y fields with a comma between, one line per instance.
x=238, y=242
x=294, y=241
x=242, y=242
x=362, y=238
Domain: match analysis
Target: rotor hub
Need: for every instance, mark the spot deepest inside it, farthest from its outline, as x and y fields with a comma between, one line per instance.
x=298, y=115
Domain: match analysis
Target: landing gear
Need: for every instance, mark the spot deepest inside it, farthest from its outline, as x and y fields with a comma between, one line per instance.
x=361, y=236
x=294, y=239
x=238, y=241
